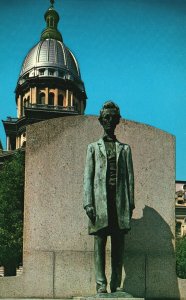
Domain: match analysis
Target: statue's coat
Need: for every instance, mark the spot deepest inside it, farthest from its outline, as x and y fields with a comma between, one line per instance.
x=95, y=189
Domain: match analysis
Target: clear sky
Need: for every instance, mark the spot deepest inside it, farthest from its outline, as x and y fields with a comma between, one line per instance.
x=130, y=51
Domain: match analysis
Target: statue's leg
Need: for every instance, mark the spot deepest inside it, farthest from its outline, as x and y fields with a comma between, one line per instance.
x=117, y=250
x=99, y=260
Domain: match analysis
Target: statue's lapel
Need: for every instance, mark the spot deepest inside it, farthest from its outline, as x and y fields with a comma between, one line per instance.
x=119, y=147
x=102, y=149
x=101, y=146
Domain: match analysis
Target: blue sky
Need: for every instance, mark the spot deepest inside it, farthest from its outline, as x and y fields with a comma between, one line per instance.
x=130, y=51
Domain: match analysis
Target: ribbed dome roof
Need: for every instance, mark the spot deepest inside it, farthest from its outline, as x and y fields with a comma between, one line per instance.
x=50, y=57
x=50, y=53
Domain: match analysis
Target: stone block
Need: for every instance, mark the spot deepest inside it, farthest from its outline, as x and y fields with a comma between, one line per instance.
x=160, y=272
x=134, y=274
x=74, y=274
x=38, y=274
x=55, y=220
x=58, y=253
x=11, y=287
x=110, y=297
x=36, y=280
x=182, y=288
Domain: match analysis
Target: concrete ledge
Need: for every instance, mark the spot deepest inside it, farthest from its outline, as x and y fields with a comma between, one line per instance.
x=107, y=297
x=75, y=298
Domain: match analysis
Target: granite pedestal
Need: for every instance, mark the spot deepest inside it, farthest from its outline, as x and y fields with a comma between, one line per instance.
x=58, y=253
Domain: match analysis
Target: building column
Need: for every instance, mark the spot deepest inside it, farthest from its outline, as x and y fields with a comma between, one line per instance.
x=8, y=143
x=56, y=97
x=67, y=93
x=19, y=106
x=71, y=99
x=34, y=95
x=30, y=101
x=46, y=96
x=17, y=142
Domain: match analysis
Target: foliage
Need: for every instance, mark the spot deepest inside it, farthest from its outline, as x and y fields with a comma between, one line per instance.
x=181, y=257
x=11, y=210
x=1, y=146
x=177, y=231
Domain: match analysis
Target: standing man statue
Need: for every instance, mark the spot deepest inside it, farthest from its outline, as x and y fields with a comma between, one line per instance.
x=109, y=196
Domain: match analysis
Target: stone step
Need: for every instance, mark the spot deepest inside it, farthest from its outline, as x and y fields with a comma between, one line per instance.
x=112, y=296
x=103, y=298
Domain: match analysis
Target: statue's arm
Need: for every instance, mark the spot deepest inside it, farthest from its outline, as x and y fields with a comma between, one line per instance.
x=130, y=178
x=88, y=202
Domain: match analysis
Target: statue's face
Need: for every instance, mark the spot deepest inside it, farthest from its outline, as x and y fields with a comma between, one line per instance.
x=109, y=120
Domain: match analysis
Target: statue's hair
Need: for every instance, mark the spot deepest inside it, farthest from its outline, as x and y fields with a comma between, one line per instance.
x=109, y=105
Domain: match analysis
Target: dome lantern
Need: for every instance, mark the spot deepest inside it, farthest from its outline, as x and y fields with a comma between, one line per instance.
x=52, y=18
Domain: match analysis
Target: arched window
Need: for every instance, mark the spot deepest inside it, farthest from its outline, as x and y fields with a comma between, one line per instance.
x=60, y=100
x=22, y=108
x=41, y=98
x=23, y=144
x=51, y=72
x=26, y=102
x=51, y=99
x=76, y=105
x=51, y=22
x=41, y=72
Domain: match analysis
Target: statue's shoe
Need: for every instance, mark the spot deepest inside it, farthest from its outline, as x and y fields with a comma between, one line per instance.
x=101, y=289
x=117, y=289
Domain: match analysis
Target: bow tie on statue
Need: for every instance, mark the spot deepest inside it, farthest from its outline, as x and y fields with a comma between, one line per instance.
x=107, y=138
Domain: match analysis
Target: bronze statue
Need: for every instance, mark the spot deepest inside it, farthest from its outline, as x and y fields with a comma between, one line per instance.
x=109, y=196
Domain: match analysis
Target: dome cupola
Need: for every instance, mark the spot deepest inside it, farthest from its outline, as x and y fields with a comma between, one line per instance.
x=52, y=19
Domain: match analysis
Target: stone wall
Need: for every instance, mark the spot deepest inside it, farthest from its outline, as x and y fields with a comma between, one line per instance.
x=58, y=253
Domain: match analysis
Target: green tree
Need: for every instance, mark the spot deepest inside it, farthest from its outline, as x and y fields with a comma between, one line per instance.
x=11, y=212
x=1, y=146
x=181, y=257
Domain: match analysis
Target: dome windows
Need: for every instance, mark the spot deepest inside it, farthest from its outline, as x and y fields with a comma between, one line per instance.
x=26, y=76
x=41, y=72
x=41, y=98
x=60, y=99
x=51, y=72
x=45, y=72
x=51, y=99
x=26, y=102
x=23, y=104
x=51, y=22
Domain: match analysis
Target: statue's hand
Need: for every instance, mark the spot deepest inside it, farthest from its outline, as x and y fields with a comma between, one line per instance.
x=90, y=211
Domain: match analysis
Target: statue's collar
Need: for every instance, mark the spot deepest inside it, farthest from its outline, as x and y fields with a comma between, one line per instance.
x=101, y=144
x=107, y=138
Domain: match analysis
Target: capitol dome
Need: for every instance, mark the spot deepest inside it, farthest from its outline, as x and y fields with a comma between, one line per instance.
x=49, y=84
x=50, y=57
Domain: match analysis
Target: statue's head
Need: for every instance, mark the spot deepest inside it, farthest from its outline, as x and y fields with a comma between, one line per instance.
x=109, y=116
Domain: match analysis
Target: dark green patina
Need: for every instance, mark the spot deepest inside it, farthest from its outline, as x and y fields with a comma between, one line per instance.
x=52, y=19
x=109, y=196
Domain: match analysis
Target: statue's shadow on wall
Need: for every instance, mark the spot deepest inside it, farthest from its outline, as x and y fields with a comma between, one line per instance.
x=149, y=258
